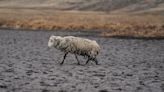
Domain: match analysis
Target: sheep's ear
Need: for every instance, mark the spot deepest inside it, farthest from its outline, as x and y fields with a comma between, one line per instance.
x=52, y=36
x=59, y=38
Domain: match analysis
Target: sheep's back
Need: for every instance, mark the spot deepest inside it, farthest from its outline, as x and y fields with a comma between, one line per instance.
x=82, y=45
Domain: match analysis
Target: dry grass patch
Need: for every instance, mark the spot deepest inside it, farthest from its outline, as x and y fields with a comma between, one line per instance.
x=116, y=25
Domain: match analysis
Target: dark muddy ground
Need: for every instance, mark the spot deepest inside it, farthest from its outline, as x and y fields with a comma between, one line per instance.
x=127, y=65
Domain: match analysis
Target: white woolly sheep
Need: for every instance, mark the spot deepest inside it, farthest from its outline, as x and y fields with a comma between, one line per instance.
x=75, y=45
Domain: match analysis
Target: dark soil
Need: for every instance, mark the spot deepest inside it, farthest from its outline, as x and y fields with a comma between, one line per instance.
x=127, y=65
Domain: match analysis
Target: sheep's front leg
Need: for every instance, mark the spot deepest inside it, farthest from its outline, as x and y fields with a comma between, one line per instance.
x=77, y=59
x=63, y=58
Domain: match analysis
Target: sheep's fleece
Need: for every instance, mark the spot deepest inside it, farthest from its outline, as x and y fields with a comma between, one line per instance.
x=75, y=45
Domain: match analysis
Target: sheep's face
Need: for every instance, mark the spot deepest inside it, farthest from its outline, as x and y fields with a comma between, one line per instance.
x=54, y=41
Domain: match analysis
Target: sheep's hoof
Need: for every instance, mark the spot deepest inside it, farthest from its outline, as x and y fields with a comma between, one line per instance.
x=78, y=63
x=61, y=63
x=98, y=64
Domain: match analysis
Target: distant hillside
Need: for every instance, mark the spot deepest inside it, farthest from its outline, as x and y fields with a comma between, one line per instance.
x=115, y=6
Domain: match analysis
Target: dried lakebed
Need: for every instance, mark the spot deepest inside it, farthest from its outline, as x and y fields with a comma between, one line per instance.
x=127, y=65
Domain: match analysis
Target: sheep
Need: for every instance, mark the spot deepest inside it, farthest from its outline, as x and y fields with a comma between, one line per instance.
x=77, y=46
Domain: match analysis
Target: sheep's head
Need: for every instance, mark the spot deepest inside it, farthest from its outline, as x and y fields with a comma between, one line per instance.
x=54, y=41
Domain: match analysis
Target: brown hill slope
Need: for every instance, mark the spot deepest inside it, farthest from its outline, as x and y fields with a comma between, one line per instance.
x=115, y=6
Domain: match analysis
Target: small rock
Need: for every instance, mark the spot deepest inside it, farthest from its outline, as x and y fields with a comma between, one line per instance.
x=62, y=91
x=103, y=90
x=45, y=90
x=3, y=86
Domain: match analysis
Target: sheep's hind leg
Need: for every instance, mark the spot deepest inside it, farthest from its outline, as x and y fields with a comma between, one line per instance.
x=77, y=59
x=88, y=60
x=63, y=58
x=95, y=59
